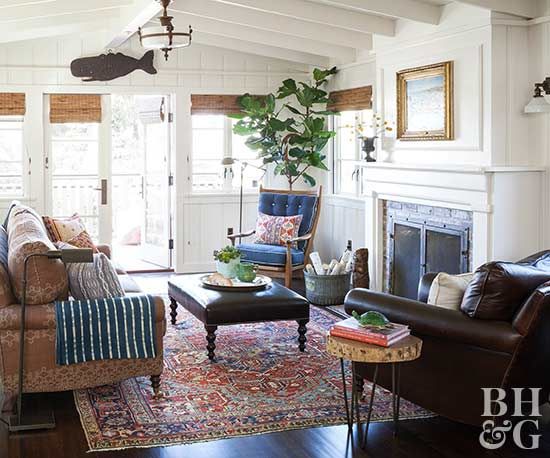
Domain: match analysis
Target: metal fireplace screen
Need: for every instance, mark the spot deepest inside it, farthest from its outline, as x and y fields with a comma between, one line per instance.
x=416, y=249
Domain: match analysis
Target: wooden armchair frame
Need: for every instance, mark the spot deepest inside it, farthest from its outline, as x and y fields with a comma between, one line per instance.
x=288, y=269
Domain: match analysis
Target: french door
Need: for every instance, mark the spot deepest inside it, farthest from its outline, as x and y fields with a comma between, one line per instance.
x=77, y=174
x=116, y=175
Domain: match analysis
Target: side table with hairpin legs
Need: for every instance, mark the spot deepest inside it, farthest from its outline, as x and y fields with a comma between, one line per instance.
x=407, y=349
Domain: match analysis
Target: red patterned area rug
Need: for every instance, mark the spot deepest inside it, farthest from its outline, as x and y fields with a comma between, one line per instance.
x=260, y=383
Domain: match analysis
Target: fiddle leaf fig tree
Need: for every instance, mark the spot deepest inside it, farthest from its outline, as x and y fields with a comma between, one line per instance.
x=291, y=134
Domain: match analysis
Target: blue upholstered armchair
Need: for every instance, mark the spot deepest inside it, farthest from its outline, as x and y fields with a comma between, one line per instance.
x=292, y=257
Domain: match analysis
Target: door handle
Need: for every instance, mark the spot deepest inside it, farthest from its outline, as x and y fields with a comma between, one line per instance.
x=103, y=190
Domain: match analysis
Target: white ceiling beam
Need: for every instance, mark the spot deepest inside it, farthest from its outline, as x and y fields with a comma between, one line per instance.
x=131, y=19
x=58, y=8
x=15, y=4
x=321, y=14
x=260, y=50
x=273, y=22
x=402, y=9
x=524, y=8
x=56, y=26
x=252, y=34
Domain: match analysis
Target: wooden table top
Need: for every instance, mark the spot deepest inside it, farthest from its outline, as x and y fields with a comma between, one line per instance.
x=407, y=349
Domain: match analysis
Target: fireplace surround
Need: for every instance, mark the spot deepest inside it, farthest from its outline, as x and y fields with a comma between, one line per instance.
x=506, y=224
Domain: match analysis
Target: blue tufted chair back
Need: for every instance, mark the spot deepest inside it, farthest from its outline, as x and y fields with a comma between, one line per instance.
x=290, y=205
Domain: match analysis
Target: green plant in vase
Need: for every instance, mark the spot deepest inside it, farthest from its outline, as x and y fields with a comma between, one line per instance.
x=227, y=261
x=291, y=135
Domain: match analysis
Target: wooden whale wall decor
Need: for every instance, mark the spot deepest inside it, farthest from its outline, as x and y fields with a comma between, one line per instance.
x=107, y=67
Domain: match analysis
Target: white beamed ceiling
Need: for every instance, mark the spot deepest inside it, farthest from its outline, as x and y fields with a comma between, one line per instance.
x=319, y=31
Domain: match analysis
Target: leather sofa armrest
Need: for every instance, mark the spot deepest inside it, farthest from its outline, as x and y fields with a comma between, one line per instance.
x=425, y=285
x=433, y=321
x=535, y=257
x=105, y=249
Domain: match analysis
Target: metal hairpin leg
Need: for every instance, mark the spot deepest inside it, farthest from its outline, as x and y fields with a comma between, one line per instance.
x=349, y=420
x=396, y=379
x=369, y=412
x=355, y=406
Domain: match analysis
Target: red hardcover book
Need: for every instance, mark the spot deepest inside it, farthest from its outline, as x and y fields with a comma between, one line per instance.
x=366, y=339
x=386, y=333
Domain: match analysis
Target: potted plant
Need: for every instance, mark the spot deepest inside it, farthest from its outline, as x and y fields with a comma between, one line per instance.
x=290, y=135
x=227, y=261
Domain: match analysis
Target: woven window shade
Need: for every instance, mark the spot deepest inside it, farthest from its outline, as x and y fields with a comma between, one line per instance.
x=216, y=104
x=12, y=104
x=351, y=99
x=78, y=108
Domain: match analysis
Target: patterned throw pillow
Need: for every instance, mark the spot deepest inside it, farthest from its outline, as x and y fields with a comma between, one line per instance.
x=97, y=280
x=276, y=230
x=71, y=230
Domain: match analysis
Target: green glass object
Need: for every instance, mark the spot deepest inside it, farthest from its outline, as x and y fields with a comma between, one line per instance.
x=371, y=318
x=247, y=272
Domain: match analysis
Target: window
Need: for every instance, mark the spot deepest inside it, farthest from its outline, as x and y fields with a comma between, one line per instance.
x=11, y=156
x=213, y=140
x=347, y=149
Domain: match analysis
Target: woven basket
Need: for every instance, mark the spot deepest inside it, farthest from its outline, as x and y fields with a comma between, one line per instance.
x=327, y=289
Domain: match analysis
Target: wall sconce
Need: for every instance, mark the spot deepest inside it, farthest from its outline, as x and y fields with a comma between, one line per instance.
x=539, y=103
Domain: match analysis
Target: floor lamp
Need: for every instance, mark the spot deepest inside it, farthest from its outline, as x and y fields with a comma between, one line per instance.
x=36, y=419
x=229, y=161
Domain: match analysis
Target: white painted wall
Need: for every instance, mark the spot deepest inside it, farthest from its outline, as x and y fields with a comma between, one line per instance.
x=42, y=66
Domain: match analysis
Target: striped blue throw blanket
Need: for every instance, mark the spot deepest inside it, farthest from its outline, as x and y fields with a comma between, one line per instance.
x=95, y=329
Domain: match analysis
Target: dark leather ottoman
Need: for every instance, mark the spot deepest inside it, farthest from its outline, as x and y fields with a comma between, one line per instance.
x=218, y=308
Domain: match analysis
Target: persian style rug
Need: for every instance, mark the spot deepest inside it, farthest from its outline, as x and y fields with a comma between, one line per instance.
x=260, y=383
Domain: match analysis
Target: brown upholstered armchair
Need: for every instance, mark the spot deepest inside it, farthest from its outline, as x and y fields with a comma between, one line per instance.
x=460, y=355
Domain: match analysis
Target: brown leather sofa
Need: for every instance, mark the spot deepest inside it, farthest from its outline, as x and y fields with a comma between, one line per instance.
x=47, y=283
x=460, y=355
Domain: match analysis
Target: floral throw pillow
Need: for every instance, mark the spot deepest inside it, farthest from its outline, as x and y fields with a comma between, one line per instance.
x=71, y=230
x=276, y=230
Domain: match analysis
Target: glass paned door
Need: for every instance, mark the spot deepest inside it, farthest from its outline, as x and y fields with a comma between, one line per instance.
x=74, y=175
x=140, y=174
x=156, y=216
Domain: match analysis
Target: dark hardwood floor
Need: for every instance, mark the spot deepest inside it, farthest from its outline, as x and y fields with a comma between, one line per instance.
x=426, y=438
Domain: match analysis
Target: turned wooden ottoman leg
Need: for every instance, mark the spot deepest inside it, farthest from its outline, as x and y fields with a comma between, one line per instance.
x=211, y=338
x=155, y=383
x=173, y=310
x=302, y=329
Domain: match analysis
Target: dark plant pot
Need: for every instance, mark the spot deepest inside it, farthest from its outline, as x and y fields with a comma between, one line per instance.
x=367, y=146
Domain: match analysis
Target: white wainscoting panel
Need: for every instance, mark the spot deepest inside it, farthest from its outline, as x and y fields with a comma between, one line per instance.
x=342, y=219
x=206, y=219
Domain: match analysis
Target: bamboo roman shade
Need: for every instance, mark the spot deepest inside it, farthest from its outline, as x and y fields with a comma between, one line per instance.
x=351, y=99
x=12, y=104
x=80, y=108
x=214, y=104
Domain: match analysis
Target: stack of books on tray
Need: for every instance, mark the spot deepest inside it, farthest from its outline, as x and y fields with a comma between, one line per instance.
x=375, y=335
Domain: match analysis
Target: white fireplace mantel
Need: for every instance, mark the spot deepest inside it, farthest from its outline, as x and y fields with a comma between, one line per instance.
x=505, y=203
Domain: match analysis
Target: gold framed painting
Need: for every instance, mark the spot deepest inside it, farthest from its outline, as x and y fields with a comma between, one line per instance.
x=425, y=103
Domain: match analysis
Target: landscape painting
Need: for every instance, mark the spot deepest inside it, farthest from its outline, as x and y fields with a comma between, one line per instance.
x=424, y=103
